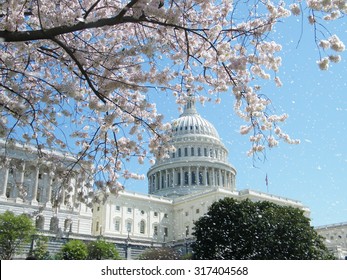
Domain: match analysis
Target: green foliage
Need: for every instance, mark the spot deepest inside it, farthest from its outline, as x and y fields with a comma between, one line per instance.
x=162, y=253
x=14, y=231
x=41, y=248
x=234, y=229
x=188, y=256
x=74, y=250
x=102, y=250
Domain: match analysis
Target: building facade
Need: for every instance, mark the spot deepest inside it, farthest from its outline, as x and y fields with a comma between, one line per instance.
x=181, y=188
x=44, y=185
x=335, y=237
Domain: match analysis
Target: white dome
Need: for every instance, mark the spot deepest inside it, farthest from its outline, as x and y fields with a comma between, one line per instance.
x=199, y=162
x=190, y=122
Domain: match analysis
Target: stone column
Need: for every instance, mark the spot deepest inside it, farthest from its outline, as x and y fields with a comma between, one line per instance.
x=233, y=183
x=3, y=184
x=35, y=185
x=173, y=177
x=197, y=176
x=157, y=180
x=189, y=176
x=227, y=182
x=181, y=176
x=160, y=181
x=212, y=178
x=166, y=181
x=64, y=185
x=205, y=177
x=49, y=188
x=220, y=181
x=20, y=183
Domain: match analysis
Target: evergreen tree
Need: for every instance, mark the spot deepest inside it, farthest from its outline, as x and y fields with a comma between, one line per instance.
x=244, y=229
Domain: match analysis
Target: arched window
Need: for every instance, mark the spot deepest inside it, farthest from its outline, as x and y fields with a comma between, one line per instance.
x=129, y=225
x=68, y=225
x=40, y=222
x=117, y=225
x=54, y=224
x=155, y=230
x=142, y=227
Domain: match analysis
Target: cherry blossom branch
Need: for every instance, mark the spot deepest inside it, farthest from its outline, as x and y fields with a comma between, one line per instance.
x=43, y=34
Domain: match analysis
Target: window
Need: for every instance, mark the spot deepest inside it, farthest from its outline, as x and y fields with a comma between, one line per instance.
x=155, y=230
x=142, y=212
x=178, y=178
x=68, y=225
x=200, y=178
x=54, y=224
x=193, y=178
x=179, y=152
x=117, y=225
x=199, y=152
x=117, y=208
x=155, y=214
x=186, y=178
x=205, y=152
x=129, y=226
x=185, y=152
x=40, y=222
x=192, y=151
x=197, y=211
x=129, y=210
x=165, y=215
x=186, y=213
x=187, y=230
x=142, y=227
x=166, y=231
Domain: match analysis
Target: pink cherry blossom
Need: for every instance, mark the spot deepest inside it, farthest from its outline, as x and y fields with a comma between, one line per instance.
x=78, y=75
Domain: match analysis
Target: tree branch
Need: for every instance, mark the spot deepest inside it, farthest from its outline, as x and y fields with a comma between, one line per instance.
x=23, y=36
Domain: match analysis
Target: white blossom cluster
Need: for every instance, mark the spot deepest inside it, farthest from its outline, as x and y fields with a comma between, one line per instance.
x=85, y=70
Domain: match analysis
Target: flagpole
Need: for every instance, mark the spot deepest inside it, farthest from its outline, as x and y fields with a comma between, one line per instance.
x=267, y=183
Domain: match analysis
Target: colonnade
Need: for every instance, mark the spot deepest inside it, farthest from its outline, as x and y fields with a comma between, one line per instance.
x=35, y=183
x=190, y=176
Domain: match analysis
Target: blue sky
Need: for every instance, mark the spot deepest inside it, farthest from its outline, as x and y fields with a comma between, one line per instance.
x=314, y=172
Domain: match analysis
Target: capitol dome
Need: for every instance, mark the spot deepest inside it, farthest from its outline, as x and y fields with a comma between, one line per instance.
x=199, y=162
x=190, y=122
